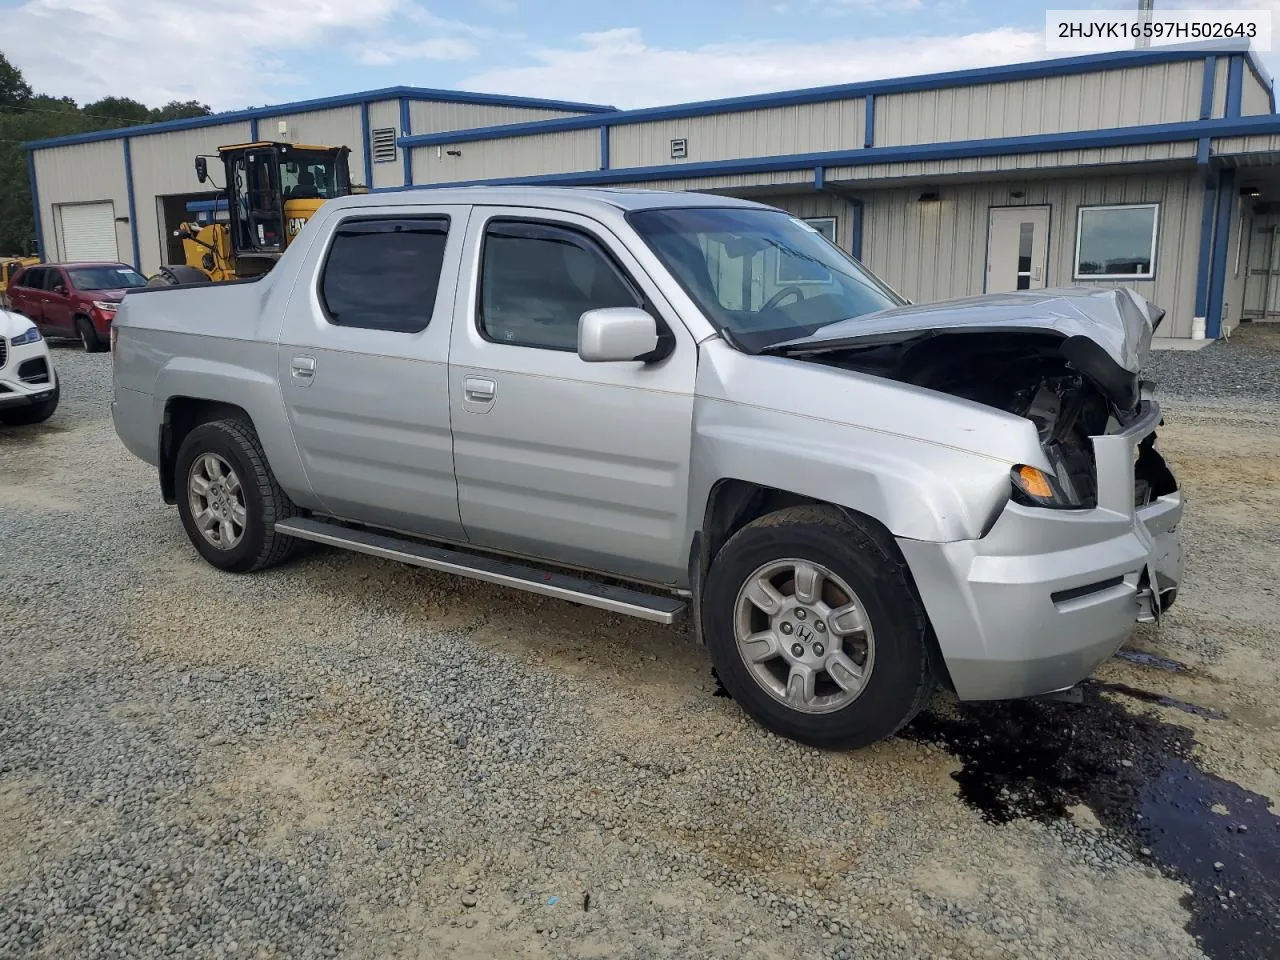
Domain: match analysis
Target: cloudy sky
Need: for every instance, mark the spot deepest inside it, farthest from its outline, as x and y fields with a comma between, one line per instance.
x=236, y=53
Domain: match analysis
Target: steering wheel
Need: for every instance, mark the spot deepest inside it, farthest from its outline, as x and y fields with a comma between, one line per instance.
x=781, y=295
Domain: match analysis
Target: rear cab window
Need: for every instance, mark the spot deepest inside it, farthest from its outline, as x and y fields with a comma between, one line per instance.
x=382, y=273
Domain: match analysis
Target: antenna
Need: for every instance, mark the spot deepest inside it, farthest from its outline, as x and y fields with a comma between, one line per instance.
x=1144, y=16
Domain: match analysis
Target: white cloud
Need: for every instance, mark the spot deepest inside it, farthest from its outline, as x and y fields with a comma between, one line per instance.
x=381, y=53
x=619, y=67
x=229, y=55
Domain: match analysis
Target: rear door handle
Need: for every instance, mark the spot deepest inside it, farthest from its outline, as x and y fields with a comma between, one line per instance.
x=479, y=389
x=302, y=369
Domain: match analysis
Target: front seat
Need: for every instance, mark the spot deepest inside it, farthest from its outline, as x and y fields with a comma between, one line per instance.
x=306, y=188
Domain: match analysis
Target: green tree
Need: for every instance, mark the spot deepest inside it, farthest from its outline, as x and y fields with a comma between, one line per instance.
x=121, y=109
x=180, y=110
x=13, y=89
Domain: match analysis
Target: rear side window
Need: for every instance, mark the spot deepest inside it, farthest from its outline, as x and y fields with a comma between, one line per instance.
x=382, y=274
x=537, y=279
x=32, y=279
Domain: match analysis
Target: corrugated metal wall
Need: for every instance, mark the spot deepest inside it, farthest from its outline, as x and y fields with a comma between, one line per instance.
x=429, y=116
x=565, y=151
x=163, y=164
x=339, y=127
x=1046, y=160
x=1160, y=93
x=386, y=113
x=934, y=251
x=82, y=173
x=1254, y=97
x=838, y=125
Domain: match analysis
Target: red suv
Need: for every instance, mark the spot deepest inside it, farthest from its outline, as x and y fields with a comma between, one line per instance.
x=73, y=299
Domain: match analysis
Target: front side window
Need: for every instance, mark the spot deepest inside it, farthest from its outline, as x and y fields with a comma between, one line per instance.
x=106, y=278
x=1117, y=242
x=761, y=276
x=383, y=274
x=538, y=279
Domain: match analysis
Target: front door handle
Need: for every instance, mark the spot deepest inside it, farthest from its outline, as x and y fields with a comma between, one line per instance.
x=479, y=389
x=302, y=368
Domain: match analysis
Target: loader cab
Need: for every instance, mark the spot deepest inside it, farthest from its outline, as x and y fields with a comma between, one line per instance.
x=273, y=189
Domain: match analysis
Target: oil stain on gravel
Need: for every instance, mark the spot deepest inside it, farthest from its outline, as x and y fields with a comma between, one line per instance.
x=1034, y=759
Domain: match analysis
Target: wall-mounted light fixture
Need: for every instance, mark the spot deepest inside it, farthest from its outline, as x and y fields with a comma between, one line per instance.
x=454, y=153
x=1017, y=194
x=930, y=196
x=1250, y=192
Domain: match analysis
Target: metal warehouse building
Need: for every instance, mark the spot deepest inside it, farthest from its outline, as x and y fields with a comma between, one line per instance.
x=1156, y=169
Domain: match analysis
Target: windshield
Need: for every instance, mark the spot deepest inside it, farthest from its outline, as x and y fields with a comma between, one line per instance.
x=106, y=278
x=308, y=175
x=761, y=276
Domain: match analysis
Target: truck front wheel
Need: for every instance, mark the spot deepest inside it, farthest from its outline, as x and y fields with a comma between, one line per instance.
x=228, y=498
x=814, y=629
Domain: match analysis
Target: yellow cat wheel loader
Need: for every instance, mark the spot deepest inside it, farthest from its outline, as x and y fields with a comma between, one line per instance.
x=271, y=189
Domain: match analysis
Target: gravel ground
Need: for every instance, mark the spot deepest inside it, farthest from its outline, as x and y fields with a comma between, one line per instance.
x=347, y=757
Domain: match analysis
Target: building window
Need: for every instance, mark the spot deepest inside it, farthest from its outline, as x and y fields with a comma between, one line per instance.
x=1117, y=242
x=384, y=144
x=825, y=226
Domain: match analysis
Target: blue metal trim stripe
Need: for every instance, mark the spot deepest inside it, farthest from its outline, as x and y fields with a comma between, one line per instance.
x=1043, y=68
x=604, y=148
x=1084, y=139
x=324, y=103
x=869, y=136
x=819, y=178
x=1221, y=242
x=406, y=130
x=1206, y=89
x=856, y=245
x=133, y=210
x=368, y=144
x=35, y=204
x=1202, y=151
x=1235, y=86
x=1204, y=260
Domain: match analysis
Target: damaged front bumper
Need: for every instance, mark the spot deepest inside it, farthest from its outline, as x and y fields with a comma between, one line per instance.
x=1046, y=595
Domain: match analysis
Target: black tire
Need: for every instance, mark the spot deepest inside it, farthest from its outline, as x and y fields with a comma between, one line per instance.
x=171, y=276
x=89, y=338
x=265, y=503
x=35, y=413
x=901, y=680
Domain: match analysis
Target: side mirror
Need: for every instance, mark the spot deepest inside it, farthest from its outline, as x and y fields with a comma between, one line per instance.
x=614, y=334
x=202, y=169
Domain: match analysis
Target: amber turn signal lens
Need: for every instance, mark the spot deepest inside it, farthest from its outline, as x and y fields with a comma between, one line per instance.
x=1035, y=483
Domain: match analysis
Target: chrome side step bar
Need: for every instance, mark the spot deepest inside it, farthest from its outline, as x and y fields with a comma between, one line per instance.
x=504, y=573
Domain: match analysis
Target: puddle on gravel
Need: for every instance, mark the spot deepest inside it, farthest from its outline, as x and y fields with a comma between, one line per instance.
x=1034, y=759
x=1164, y=700
x=1151, y=660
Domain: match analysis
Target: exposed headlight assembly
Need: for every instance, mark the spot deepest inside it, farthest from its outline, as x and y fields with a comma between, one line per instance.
x=27, y=336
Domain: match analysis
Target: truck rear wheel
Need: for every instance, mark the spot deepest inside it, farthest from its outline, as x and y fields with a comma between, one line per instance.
x=229, y=500
x=814, y=629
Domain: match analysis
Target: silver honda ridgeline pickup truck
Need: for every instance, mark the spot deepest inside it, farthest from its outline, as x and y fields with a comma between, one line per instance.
x=639, y=400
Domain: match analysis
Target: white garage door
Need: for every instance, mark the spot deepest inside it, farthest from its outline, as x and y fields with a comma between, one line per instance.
x=88, y=231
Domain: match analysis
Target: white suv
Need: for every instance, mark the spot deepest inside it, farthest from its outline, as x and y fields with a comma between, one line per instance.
x=28, y=383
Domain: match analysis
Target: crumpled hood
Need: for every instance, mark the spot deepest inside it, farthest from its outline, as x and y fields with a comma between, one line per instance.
x=12, y=324
x=1118, y=321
